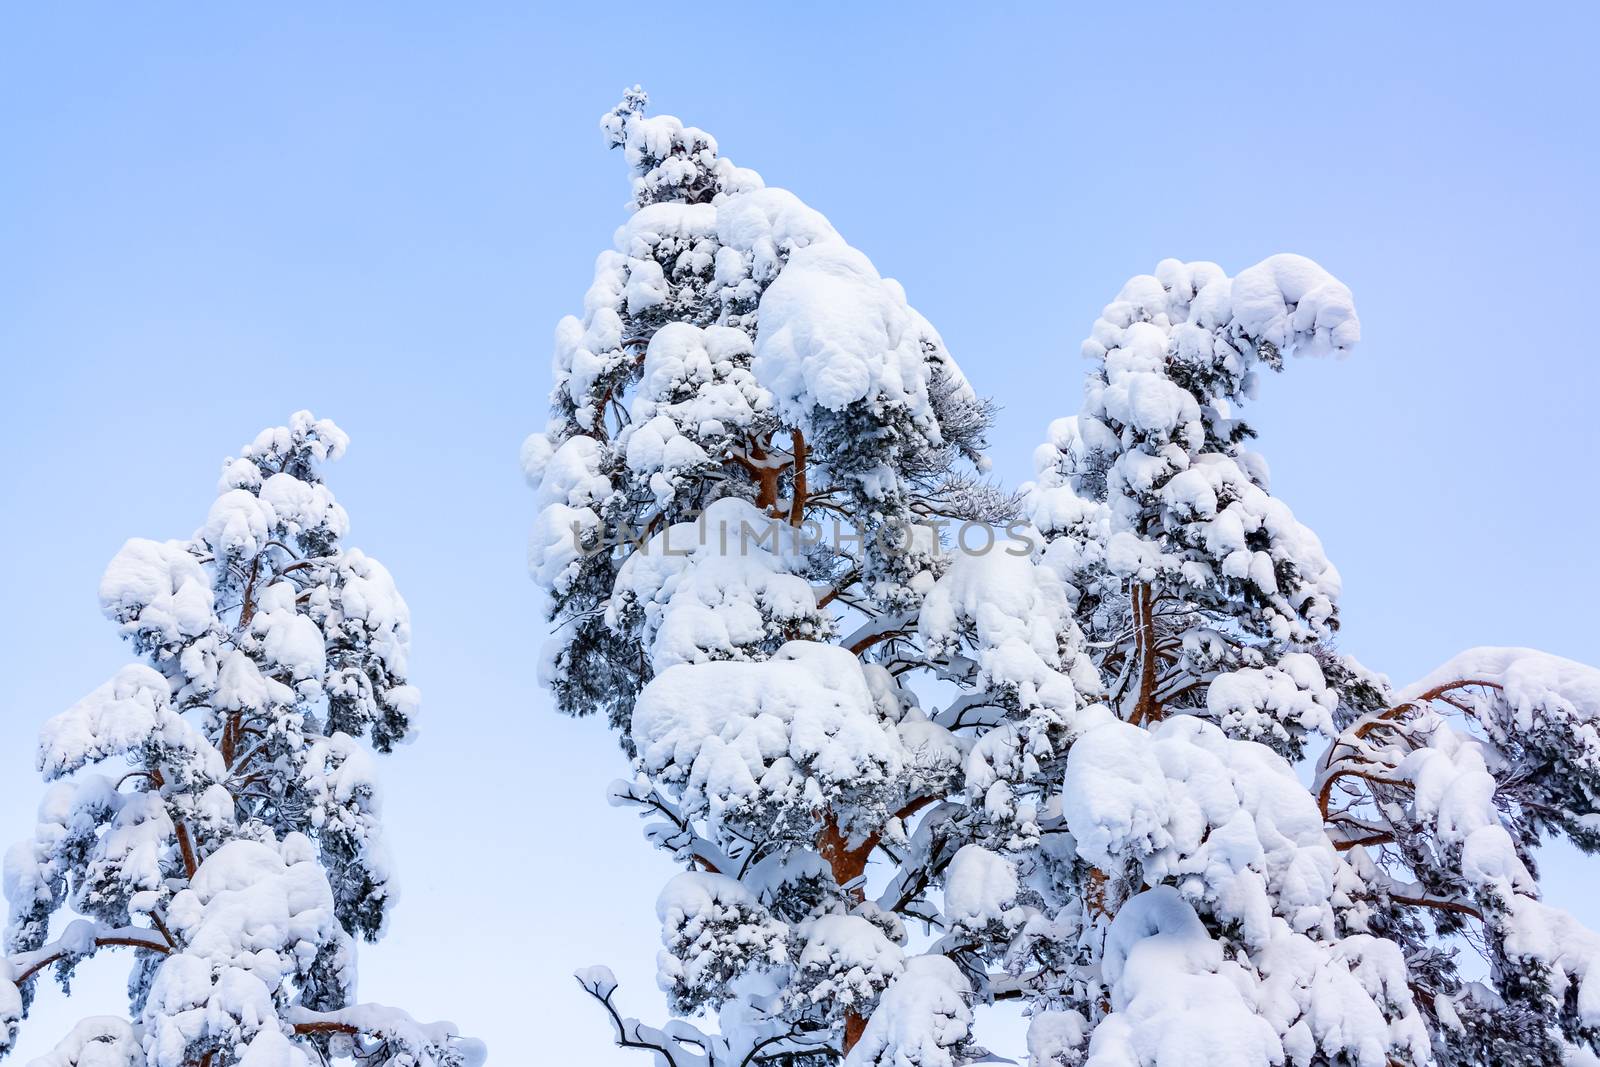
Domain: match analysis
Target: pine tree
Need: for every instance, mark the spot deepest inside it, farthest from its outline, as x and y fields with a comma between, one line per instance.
x=755, y=442
x=1200, y=587
x=921, y=745
x=1207, y=900
x=213, y=808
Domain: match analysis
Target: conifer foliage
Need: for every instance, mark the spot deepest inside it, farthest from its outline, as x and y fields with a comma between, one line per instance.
x=212, y=809
x=921, y=745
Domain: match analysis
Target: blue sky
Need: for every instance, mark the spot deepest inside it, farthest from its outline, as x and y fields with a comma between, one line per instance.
x=210, y=218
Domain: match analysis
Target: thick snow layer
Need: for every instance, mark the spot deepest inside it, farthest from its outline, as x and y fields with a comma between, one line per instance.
x=122, y=716
x=701, y=375
x=434, y=1044
x=251, y=922
x=1533, y=715
x=845, y=964
x=571, y=489
x=832, y=333
x=1059, y=509
x=131, y=849
x=921, y=1020
x=1029, y=827
x=568, y=474
x=301, y=507
x=281, y=499
x=1211, y=542
x=239, y=524
x=369, y=597
x=763, y=227
x=980, y=887
x=713, y=930
x=1296, y=305
x=718, y=588
x=321, y=438
x=1352, y=997
x=1227, y=819
x=36, y=869
x=271, y=651
x=1173, y=1004
x=1286, y=300
x=1013, y=614
x=270, y=1048
x=1255, y=703
x=1056, y=1039
x=290, y=640
x=1193, y=498
x=1107, y=798
x=11, y=1015
x=1541, y=937
x=669, y=159
x=1157, y=438
x=587, y=351
x=1454, y=792
x=697, y=400
x=1178, y=998
x=98, y=1041
x=1532, y=684
x=157, y=588
x=796, y=726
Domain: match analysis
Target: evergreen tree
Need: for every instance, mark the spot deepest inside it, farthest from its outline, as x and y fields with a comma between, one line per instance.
x=921, y=745
x=1205, y=900
x=754, y=445
x=213, y=808
x=1198, y=586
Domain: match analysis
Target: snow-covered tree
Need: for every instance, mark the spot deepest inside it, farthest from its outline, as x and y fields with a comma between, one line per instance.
x=213, y=809
x=1202, y=899
x=758, y=457
x=921, y=745
x=1200, y=586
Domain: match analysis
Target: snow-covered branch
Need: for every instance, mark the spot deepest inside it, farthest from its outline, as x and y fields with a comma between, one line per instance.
x=397, y=1033
x=78, y=941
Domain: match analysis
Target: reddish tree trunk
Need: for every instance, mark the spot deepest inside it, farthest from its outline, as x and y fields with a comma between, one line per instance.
x=848, y=864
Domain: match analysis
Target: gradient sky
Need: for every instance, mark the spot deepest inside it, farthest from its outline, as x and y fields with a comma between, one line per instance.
x=210, y=218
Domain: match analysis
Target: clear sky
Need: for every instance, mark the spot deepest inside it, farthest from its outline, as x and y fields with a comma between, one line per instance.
x=213, y=216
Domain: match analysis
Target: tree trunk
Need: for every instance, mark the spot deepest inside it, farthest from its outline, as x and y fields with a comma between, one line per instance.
x=848, y=864
x=1146, y=709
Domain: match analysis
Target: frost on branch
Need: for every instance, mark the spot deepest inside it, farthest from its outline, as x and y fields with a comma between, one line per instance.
x=214, y=809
